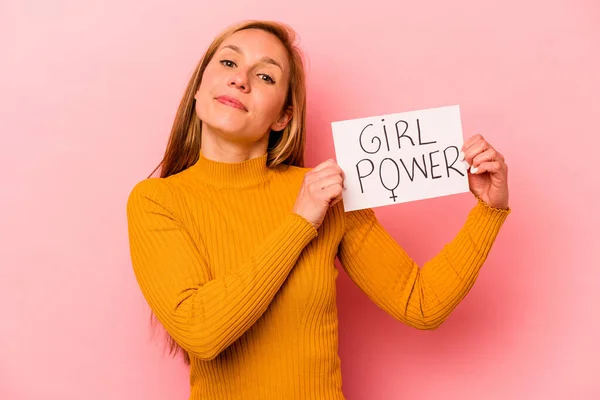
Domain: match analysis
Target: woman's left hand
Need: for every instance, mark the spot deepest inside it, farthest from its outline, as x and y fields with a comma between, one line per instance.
x=488, y=173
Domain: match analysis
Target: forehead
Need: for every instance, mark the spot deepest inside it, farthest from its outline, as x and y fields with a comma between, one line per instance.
x=256, y=43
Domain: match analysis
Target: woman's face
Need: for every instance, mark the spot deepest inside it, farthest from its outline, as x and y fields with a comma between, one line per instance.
x=244, y=87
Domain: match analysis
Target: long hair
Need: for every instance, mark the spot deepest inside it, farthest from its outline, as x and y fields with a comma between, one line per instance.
x=285, y=146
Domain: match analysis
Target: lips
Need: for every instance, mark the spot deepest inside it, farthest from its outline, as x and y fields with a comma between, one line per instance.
x=232, y=102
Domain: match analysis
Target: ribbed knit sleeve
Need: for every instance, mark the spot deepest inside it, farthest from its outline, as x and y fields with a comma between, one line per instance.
x=420, y=297
x=204, y=315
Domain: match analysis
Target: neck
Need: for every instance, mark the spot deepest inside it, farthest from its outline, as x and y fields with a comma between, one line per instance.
x=232, y=175
x=217, y=147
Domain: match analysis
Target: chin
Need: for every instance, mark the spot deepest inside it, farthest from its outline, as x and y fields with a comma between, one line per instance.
x=229, y=126
x=233, y=131
x=218, y=120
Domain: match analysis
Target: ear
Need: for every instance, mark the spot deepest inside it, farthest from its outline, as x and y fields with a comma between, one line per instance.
x=283, y=120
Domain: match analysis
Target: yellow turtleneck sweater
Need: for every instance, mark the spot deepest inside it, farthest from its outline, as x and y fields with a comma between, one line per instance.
x=248, y=288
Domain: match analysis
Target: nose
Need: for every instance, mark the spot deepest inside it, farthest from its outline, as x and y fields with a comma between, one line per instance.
x=239, y=80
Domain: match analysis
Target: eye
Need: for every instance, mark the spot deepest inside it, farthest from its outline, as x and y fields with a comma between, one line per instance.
x=228, y=63
x=267, y=78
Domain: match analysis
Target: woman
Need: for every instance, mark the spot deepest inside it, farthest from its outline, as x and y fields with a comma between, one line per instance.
x=234, y=245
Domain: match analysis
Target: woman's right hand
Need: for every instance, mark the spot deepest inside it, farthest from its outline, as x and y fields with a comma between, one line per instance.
x=321, y=189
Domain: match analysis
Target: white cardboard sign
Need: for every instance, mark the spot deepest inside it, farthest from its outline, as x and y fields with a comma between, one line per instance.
x=402, y=157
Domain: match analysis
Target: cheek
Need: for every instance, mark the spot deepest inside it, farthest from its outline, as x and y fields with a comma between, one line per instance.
x=272, y=104
x=200, y=105
x=203, y=99
x=210, y=80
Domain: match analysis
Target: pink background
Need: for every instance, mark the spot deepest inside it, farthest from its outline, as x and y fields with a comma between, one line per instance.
x=88, y=96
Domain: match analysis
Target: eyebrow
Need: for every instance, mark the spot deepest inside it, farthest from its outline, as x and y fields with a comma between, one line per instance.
x=265, y=59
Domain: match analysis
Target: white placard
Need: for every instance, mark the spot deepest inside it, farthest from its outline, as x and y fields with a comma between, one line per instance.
x=396, y=158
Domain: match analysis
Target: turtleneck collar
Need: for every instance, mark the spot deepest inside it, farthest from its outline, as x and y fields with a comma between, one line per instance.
x=236, y=175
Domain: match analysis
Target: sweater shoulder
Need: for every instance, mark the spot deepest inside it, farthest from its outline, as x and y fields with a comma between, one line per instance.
x=166, y=192
x=291, y=171
x=163, y=188
x=149, y=190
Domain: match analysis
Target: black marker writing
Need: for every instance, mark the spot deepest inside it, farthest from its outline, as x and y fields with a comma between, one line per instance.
x=423, y=170
x=403, y=135
x=449, y=167
x=433, y=165
x=363, y=176
x=385, y=135
x=419, y=130
x=372, y=141
x=402, y=128
x=393, y=196
x=425, y=163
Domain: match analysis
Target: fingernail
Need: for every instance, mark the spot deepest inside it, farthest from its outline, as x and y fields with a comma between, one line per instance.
x=473, y=170
x=467, y=166
x=461, y=156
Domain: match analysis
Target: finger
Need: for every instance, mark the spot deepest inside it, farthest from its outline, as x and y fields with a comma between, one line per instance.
x=471, y=141
x=336, y=170
x=493, y=167
x=476, y=149
x=330, y=192
x=330, y=170
x=489, y=155
x=324, y=165
x=336, y=200
x=326, y=182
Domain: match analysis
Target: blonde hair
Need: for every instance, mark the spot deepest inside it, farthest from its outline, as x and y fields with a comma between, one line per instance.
x=285, y=147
